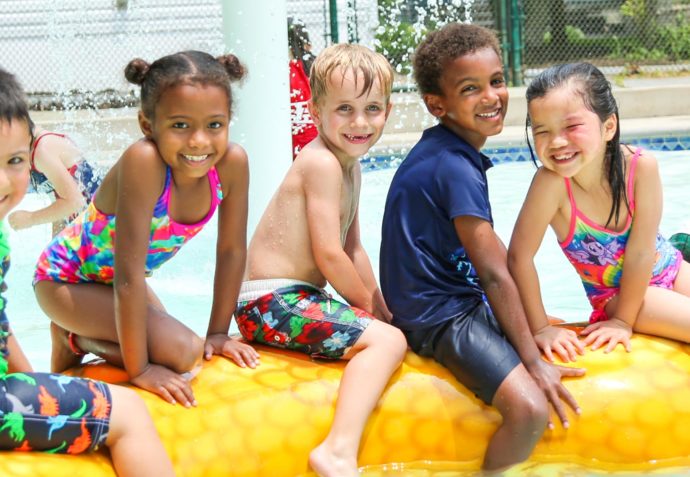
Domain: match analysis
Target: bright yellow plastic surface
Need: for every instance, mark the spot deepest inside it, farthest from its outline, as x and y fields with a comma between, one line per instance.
x=264, y=422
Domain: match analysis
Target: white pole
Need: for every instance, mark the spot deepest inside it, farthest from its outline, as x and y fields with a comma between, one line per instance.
x=256, y=31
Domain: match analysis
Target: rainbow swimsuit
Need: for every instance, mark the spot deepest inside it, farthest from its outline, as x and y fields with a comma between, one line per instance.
x=84, y=250
x=598, y=253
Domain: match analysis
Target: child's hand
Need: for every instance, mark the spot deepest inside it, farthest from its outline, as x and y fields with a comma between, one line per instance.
x=548, y=378
x=241, y=353
x=611, y=331
x=166, y=383
x=562, y=341
x=20, y=219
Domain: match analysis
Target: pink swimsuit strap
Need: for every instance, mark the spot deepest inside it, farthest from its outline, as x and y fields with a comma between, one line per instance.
x=35, y=145
x=575, y=213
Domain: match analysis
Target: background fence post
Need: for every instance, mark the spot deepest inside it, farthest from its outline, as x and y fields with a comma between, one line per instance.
x=333, y=16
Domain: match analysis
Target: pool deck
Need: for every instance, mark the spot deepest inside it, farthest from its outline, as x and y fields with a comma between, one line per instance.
x=654, y=108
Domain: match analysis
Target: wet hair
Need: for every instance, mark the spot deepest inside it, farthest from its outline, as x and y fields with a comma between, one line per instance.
x=185, y=67
x=442, y=46
x=298, y=41
x=590, y=83
x=12, y=101
x=356, y=58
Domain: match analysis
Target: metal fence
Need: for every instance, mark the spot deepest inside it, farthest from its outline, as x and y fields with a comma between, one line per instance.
x=79, y=47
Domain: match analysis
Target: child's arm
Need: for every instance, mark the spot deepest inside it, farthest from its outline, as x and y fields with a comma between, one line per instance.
x=17, y=360
x=539, y=209
x=640, y=253
x=140, y=180
x=360, y=259
x=323, y=181
x=489, y=258
x=231, y=252
x=49, y=158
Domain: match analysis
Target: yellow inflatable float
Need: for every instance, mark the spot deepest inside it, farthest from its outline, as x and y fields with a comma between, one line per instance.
x=263, y=422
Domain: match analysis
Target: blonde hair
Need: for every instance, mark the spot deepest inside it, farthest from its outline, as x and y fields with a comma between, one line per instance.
x=356, y=58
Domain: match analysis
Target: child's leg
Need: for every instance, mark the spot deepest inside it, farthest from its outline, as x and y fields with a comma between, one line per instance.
x=373, y=359
x=133, y=440
x=524, y=409
x=88, y=310
x=664, y=312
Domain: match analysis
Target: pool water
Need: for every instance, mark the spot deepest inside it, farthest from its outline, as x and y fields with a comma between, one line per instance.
x=185, y=283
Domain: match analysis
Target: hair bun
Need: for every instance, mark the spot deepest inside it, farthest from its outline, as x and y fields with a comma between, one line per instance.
x=136, y=71
x=233, y=67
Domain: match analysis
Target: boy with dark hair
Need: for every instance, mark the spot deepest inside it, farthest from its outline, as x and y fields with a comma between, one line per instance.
x=443, y=269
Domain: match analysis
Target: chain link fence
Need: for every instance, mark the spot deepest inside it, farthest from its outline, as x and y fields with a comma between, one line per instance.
x=74, y=51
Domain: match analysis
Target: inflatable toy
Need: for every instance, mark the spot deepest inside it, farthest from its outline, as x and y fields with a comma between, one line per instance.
x=263, y=422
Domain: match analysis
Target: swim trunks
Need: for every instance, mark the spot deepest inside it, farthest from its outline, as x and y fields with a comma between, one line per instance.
x=598, y=253
x=472, y=346
x=298, y=316
x=83, y=251
x=53, y=413
x=42, y=411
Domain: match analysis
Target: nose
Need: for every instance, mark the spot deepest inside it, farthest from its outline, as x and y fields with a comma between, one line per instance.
x=489, y=97
x=557, y=141
x=198, y=139
x=5, y=183
x=358, y=121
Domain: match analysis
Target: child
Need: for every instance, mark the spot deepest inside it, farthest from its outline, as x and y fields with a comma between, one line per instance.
x=443, y=268
x=309, y=235
x=48, y=412
x=303, y=128
x=57, y=168
x=162, y=191
x=604, y=204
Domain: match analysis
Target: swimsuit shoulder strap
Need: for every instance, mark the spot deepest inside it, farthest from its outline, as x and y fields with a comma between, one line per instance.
x=35, y=145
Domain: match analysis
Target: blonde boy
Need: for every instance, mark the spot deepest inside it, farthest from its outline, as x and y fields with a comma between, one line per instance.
x=309, y=236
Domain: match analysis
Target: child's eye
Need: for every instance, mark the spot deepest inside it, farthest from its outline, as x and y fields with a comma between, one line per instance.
x=215, y=125
x=180, y=125
x=344, y=108
x=374, y=108
x=498, y=82
x=573, y=126
x=16, y=160
x=468, y=89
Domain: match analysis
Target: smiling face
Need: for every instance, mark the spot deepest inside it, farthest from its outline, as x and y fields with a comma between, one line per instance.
x=14, y=163
x=568, y=136
x=350, y=121
x=475, y=98
x=190, y=127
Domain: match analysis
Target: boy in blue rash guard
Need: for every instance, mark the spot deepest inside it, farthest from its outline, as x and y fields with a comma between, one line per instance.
x=443, y=269
x=51, y=412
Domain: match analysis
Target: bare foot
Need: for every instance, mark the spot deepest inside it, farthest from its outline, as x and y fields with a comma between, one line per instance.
x=327, y=464
x=61, y=356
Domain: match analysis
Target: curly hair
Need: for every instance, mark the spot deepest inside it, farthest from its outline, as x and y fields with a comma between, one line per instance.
x=445, y=45
x=185, y=67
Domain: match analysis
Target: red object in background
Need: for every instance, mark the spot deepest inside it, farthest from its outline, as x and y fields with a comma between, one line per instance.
x=303, y=128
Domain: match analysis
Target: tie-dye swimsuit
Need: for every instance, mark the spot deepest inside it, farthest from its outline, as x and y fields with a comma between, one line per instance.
x=84, y=251
x=598, y=253
x=42, y=411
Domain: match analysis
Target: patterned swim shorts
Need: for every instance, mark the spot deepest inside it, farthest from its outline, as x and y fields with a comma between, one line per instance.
x=53, y=413
x=299, y=317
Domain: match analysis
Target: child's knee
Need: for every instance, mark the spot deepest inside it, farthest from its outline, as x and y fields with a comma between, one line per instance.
x=189, y=351
x=528, y=411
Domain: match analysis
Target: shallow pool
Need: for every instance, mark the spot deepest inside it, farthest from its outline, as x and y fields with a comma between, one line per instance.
x=185, y=283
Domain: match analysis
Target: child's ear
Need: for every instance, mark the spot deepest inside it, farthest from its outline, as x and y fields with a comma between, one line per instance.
x=314, y=112
x=145, y=124
x=610, y=127
x=434, y=104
